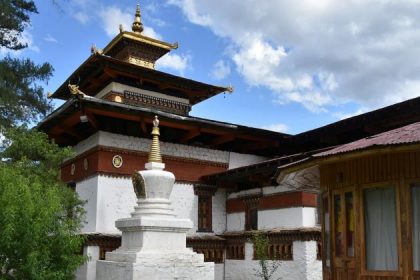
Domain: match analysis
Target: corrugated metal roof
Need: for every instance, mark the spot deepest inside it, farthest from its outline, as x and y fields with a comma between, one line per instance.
x=408, y=134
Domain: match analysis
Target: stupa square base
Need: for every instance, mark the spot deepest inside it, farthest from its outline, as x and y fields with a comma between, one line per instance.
x=158, y=267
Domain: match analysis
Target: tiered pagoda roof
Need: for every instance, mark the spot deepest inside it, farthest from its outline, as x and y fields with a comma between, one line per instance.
x=130, y=59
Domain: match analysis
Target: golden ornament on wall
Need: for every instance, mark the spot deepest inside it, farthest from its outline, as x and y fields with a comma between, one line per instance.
x=117, y=161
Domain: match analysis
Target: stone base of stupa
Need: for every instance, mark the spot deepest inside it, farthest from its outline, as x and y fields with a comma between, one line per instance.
x=154, y=249
x=185, y=266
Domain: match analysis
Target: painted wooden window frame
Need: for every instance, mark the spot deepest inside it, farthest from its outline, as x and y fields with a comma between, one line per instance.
x=204, y=195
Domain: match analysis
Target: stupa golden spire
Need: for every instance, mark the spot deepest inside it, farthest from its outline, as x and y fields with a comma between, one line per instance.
x=137, y=26
x=154, y=153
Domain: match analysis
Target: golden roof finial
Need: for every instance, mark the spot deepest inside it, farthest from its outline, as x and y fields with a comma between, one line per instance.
x=137, y=26
x=154, y=153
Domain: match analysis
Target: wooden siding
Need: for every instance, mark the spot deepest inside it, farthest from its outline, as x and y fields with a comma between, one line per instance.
x=399, y=169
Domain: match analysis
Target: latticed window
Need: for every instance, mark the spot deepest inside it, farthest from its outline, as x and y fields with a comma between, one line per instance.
x=279, y=251
x=205, y=195
x=235, y=251
x=204, y=213
x=251, y=219
x=251, y=212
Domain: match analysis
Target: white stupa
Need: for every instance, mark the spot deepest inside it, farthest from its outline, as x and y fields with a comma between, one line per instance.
x=153, y=244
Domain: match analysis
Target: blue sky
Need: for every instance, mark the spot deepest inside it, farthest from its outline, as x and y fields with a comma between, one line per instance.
x=294, y=65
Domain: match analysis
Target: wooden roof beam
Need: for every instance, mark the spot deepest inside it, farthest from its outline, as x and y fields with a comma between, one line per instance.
x=222, y=140
x=143, y=126
x=68, y=131
x=189, y=135
x=110, y=72
x=92, y=120
x=251, y=147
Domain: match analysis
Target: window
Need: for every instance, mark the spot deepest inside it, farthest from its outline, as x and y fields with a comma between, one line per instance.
x=251, y=217
x=204, y=213
x=338, y=226
x=415, y=201
x=205, y=195
x=251, y=212
x=344, y=224
x=380, y=221
x=327, y=232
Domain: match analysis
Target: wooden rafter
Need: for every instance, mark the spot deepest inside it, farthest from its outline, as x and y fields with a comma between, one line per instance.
x=92, y=120
x=189, y=135
x=222, y=140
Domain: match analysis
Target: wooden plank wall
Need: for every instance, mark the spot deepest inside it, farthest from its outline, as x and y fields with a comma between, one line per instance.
x=381, y=168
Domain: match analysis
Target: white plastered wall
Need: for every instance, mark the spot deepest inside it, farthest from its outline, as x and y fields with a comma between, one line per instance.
x=287, y=218
x=88, y=270
x=238, y=160
x=219, y=211
x=116, y=200
x=88, y=192
x=236, y=221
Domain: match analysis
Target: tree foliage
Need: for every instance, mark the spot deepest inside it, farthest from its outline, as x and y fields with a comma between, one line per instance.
x=21, y=95
x=14, y=17
x=40, y=217
x=22, y=99
x=267, y=267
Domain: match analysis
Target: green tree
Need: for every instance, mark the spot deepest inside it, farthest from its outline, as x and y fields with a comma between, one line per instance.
x=22, y=99
x=21, y=96
x=40, y=217
x=267, y=267
x=13, y=20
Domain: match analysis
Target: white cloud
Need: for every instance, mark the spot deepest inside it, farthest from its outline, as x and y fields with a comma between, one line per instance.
x=50, y=39
x=320, y=53
x=220, y=70
x=150, y=32
x=192, y=12
x=175, y=62
x=82, y=10
x=279, y=127
x=112, y=17
x=81, y=17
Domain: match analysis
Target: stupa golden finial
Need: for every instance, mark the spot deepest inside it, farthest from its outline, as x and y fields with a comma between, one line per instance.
x=154, y=153
x=137, y=26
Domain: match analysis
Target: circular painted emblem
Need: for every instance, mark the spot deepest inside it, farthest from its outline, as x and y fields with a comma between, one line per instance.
x=117, y=161
x=72, y=169
x=85, y=164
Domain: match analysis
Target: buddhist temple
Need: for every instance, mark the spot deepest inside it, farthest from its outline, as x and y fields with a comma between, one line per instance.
x=233, y=180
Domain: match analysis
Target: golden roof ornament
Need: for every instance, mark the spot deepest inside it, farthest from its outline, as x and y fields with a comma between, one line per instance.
x=137, y=26
x=74, y=90
x=154, y=153
x=94, y=50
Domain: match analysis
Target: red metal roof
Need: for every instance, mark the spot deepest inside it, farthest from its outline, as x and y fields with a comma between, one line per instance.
x=408, y=134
